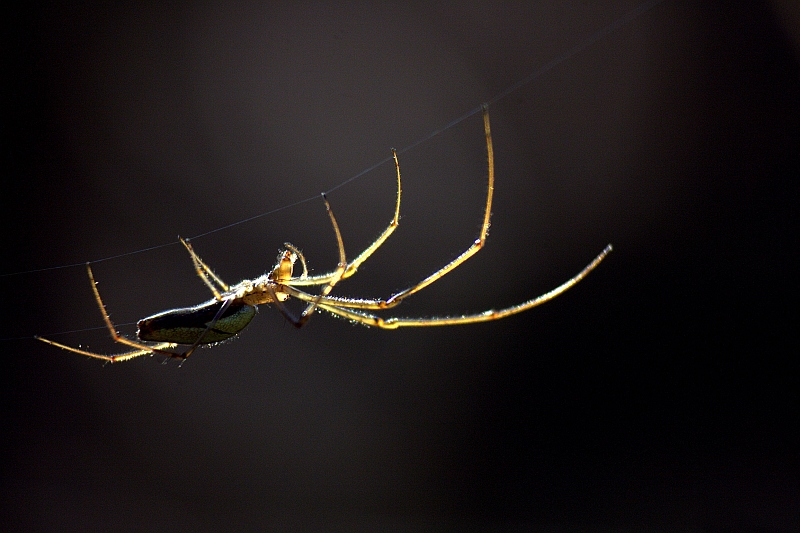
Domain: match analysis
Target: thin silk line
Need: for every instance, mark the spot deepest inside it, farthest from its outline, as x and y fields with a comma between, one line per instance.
x=538, y=73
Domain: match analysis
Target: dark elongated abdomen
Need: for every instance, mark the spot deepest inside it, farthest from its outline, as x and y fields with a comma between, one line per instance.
x=184, y=326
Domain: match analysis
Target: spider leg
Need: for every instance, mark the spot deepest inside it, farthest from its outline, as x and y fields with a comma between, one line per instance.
x=369, y=319
x=479, y=242
x=353, y=308
x=285, y=310
x=337, y=301
x=472, y=250
x=204, y=271
x=139, y=348
x=352, y=267
x=158, y=348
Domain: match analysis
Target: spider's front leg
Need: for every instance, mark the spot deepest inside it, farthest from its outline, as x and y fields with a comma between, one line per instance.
x=352, y=267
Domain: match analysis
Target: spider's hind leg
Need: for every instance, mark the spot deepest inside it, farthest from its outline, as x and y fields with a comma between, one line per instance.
x=138, y=347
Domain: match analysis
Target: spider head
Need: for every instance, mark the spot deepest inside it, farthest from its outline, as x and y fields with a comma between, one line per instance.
x=283, y=269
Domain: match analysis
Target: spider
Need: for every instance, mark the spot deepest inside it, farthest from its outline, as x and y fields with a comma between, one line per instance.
x=233, y=307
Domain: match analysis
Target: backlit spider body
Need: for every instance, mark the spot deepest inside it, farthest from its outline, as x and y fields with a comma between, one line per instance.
x=233, y=307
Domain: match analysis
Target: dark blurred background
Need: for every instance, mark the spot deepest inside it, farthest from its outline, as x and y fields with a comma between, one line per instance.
x=661, y=393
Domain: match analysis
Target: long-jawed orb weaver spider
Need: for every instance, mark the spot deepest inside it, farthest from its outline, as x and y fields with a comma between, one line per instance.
x=232, y=307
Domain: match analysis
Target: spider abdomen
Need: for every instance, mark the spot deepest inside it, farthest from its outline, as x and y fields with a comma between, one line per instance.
x=185, y=325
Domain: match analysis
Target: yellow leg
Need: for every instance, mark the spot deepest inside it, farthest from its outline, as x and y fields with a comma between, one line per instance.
x=352, y=267
x=139, y=348
x=204, y=272
x=486, y=316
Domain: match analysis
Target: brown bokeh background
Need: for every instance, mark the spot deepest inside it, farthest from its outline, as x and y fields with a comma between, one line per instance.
x=660, y=393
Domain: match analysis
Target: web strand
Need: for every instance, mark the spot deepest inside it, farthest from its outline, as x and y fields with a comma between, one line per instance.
x=535, y=75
